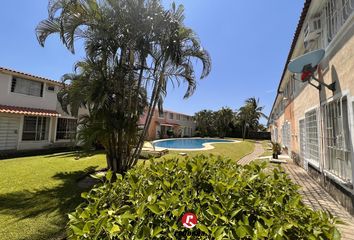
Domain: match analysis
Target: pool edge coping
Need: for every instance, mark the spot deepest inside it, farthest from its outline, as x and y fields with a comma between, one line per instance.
x=207, y=146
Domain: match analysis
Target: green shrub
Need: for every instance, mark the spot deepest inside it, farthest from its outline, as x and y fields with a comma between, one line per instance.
x=230, y=201
x=170, y=133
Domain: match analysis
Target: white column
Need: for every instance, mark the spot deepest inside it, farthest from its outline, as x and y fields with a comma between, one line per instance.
x=54, y=125
x=20, y=131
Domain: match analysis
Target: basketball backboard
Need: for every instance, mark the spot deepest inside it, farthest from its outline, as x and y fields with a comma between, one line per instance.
x=307, y=65
x=307, y=61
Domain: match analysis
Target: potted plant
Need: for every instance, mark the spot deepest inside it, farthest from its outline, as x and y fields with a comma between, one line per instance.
x=170, y=133
x=276, y=149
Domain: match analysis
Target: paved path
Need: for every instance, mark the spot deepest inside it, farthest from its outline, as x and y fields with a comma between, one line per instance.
x=318, y=199
x=313, y=194
x=258, y=150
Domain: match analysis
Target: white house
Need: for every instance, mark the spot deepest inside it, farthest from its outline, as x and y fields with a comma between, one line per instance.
x=30, y=115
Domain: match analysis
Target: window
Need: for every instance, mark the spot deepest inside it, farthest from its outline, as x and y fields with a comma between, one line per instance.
x=51, y=88
x=312, y=141
x=171, y=115
x=178, y=116
x=35, y=128
x=276, y=134
x=302, y=132
x=161, y=115
x=337, y=12
x=347, y=8
x=188, y=131
x=281, y=106
x=28, y=87
x=66, y=128
x=285, y=93
x=336, y=139
x=286, y=134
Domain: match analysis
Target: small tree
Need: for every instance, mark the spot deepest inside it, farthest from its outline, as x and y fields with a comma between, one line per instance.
x=133, y=49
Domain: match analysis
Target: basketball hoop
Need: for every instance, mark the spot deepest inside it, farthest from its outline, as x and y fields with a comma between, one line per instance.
x=308, y=72
x=307, y=65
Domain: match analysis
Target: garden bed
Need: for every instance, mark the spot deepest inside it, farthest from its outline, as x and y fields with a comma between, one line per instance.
x=230, y=201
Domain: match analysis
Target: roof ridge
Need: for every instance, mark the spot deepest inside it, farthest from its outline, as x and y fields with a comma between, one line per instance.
x=28, y=74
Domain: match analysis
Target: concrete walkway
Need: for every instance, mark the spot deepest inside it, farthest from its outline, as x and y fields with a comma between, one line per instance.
x=258, y=150
x=318, y=199
x=313, y=194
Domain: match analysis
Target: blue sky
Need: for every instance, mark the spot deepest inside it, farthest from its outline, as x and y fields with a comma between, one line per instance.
x=248, y=41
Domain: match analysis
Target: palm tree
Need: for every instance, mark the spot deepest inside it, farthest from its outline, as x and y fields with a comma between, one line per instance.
x=249, y=115
x=205, y=122
x=134, y=48
x=257, y=110
x=223, y=118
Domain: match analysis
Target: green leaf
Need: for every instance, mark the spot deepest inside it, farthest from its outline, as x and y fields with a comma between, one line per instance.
x=267, y=221
x=128, y=215
x=154, y=208
x=109, y=175
x=336, y=234
x=202, y=228
x=84, y=195
x=72, y=218
x=156, y=231
x=84, y=214
x=115, y=228
x=241, y=232
x=280, y=231
x=86, y=228
x=167, y=183
x=235, y=212
x=140, y=210
x=225, y=219
x=261, y=231
x=219, y=232
x=76, y=230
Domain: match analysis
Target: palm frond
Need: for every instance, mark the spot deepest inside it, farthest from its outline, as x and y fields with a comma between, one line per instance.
x=46, y=28
x=55, y=5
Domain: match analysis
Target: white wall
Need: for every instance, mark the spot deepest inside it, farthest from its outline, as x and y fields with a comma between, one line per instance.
x=181, y=122
x=48, y=101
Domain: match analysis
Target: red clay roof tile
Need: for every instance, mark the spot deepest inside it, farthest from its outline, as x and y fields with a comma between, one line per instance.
x=28, y=111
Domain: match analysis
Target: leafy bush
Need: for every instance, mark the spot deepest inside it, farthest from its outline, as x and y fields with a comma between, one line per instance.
x=231, y=202
x=170, y=133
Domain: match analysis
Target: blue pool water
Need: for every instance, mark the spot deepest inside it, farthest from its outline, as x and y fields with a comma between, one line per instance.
x=188, y=143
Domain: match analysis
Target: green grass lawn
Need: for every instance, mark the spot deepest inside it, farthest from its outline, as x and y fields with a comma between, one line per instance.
x=37, y=193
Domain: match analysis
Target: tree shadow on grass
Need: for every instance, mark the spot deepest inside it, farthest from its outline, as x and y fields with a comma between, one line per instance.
x=46, y=202
x=74, y=154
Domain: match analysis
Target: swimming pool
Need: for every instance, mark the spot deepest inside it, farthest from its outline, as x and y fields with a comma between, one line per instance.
x=189, y=143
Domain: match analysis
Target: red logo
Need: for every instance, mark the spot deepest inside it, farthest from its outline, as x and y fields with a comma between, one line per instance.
x=189, y=220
